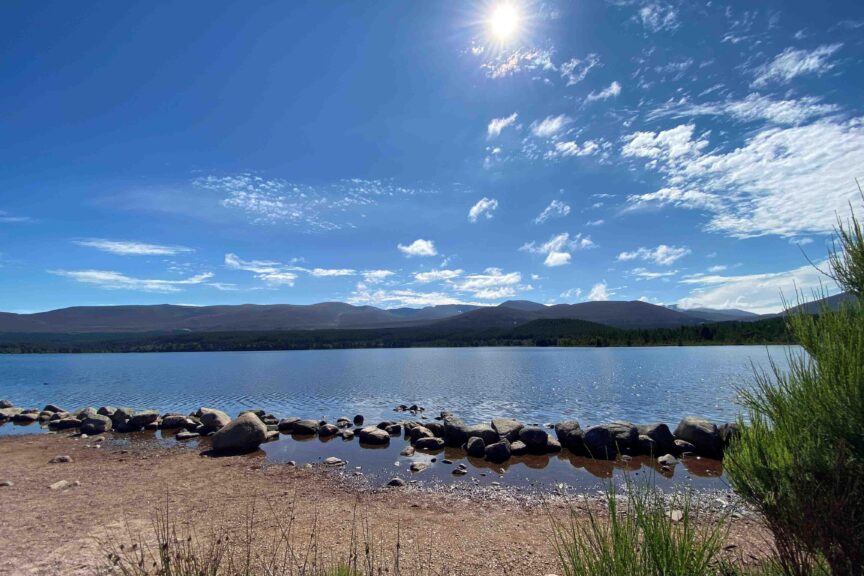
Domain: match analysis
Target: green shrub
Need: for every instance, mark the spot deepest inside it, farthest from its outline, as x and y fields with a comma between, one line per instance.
x=800, y=458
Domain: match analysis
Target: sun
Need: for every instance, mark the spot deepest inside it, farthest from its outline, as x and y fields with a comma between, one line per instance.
x=504, y=22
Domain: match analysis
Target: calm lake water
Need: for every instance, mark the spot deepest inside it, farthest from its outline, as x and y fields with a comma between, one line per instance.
x=535, y=385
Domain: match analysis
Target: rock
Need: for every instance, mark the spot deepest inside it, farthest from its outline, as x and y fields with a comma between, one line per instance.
x=518, y=448
x=430, y=444
x=45, y=416
x=271, y=435
x=62, y=459
x=373, y=435
x=6, y=483
x=334, y=461
x=358, y=420
x=664, y=441
x=552, y=445
x=437, y=428
x=343, y=422
x=143, y=418
x=9, y=413
x=60, y=416
x=702, y=434
x=64, y=424
x=84, y=412
x=534, y=437
x=684, y=447
x=667, y=460
x=286, y=425
x=106, y=411
x=459, y=471
x=418, y=466
x=646, y=445
x=498, y=452
x=52, y=408
x=25, y=418
x=305, y=427
x=455, y=431
x=396, y=482
x=419, y=432
x=6, y=404
x=96, y=424
x=244, y=434
x=394, y=429
x=729, y=432
x=675, y=515
x=476, y=447
x=347, y=434
x=327, y=430
x=407, y=451
x=570, y=435
x=607, y=440
x=386, y=424
x=172, y=421
x=60, y=485
x=186, y=435
x=400, y=408
x=507, y=428
x=212, y=420
x=484, y=431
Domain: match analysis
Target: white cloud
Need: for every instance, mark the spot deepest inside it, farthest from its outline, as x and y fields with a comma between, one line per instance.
x=644, y=274
x=510, y=63
x=436, y=275
x=7, y=218
x=573, y=148
x=492, y=284
x=376, y=276
x=657, y=16
x=792, y=63
x=118, y=281
x=496, y=125
x=558, y=249
x=483, y=207
x=598, y=222
x=759, y=293
x=599, y=292
x=273, y=273
x=663, y=255
x=575, y=70
x=550, y=126
x=786, y=181
x=555, y=209
x=395, y=298
x=571, y=294
x=419, y=247
x=751, y=108
x=717, y=268
x=132, y=248
x=328, y=272
x=612, y=91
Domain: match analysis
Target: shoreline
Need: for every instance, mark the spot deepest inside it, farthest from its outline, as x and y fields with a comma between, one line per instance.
x=121, y=485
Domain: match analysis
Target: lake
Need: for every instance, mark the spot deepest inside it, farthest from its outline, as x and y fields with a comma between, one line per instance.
x=535, y=385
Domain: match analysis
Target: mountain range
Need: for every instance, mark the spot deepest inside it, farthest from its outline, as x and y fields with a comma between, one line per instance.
x=338, y=315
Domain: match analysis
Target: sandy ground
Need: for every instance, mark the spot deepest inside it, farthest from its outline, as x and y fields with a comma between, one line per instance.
x=122, y=487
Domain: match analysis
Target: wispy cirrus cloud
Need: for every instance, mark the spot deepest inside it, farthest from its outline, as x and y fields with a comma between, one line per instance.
x=118, y=281
x=555, y=209
x=662, y=254
x=793, y=62
x=497, y=125
x=7, y=218
x=576, y=69
x=269, y=271
x=753, y=107
x=611, y=91
x=550, y=126
x=437, y=275
x=484, y=207
x=129, y=248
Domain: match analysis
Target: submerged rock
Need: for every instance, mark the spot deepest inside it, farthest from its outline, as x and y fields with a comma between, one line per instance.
x=429, y=444
x=244, y=434
x=305, y=427
x=373, y=435
x=286, y=425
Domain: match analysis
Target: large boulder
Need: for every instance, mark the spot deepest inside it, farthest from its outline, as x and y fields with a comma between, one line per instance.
x=373, y=435
x=305, y=427
x=702, y=434
x=476, y=447
x=507, y=428
x=664, y=441
x=244, y=434
x=328, y=430
x=570, y=436
x=430, y=444
x=518, y=448
x=120, y=417
x=95, y=424
x=52, y=408
x=484, y=431
x=25, y=417
x=286, y=425
x=106, y=411
x=6, y=404
x=437, y=428
x=418, y=432
x=64, y=424
x=455, y=431
x=212, y=419
x=498, y=452
x=9, y=413
x=535, y=438
x=606, y=441
x=143, y=418
x=172, y=421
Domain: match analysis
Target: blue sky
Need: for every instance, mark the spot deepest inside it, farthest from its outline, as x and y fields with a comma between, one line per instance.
x=416, y=153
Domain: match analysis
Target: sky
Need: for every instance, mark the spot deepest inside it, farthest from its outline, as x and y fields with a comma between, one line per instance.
x=413, y=153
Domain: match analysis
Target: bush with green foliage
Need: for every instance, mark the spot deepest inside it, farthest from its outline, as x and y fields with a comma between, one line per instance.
x=800, y=457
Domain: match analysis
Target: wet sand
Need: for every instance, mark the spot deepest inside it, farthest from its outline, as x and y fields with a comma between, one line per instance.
x=469, y=529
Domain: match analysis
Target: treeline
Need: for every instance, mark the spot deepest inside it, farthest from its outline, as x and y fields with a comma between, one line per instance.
x=537, y=333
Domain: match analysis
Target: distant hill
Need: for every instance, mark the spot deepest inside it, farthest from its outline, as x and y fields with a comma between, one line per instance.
x=717, y=314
